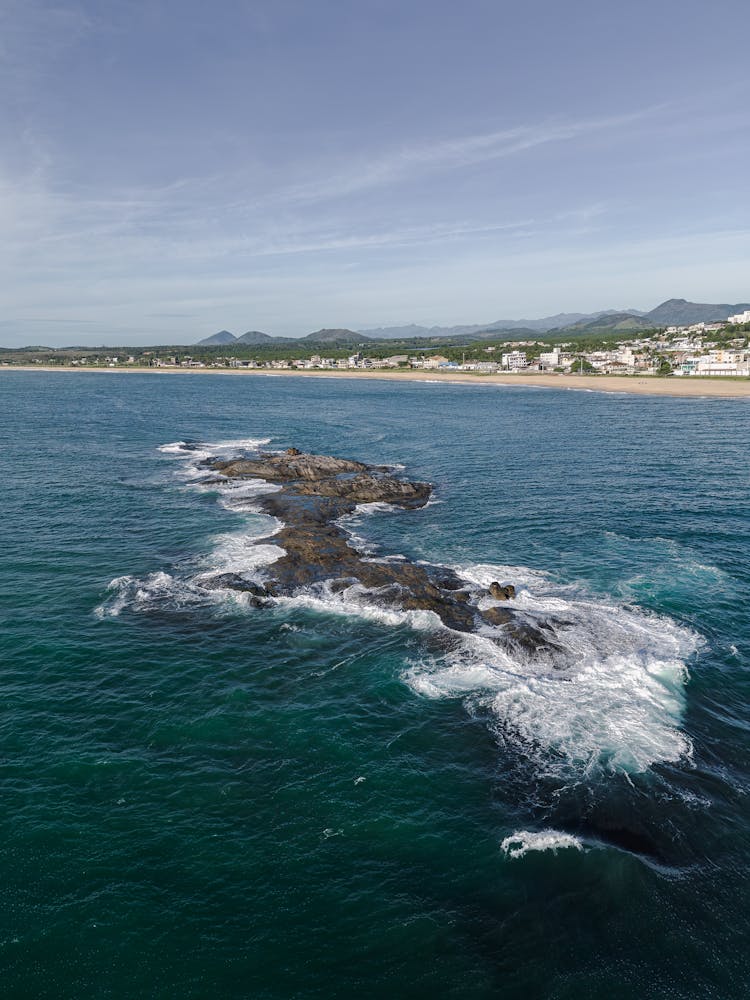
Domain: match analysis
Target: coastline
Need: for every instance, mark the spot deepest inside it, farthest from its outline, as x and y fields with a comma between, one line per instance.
x=685, y=387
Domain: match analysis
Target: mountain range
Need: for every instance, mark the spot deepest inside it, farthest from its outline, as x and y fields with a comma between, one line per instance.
x=673, y=312
x=337, y=336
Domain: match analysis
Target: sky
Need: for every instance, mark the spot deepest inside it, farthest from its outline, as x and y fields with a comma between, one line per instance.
x=170, y=168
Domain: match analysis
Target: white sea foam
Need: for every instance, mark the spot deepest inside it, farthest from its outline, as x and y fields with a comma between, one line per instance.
x=241, y=496
x=523, y=841
x=376, y=507
x=612, y=700
x=152, y=592
x=239, y=552
x=195, y=452
x=173, y=448
x=168, y=592
x=235, y=552
x=356, y=601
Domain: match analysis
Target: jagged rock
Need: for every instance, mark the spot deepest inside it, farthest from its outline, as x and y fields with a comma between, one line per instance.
x=233, y=581
x=496, y=616
x=287, y=467
x=316, y=491
x=366, y=488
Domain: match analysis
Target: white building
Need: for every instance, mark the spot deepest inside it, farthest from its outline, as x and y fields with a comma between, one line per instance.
x=706, y=366
x=743, y=317
x=550, y=359
x=514, y=360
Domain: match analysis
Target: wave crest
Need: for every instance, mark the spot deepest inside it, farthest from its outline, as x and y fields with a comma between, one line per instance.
x=522, y=842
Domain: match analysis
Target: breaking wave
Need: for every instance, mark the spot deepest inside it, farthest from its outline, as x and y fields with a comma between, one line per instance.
x=524, y=841
x=212, y=449
x=612, y=699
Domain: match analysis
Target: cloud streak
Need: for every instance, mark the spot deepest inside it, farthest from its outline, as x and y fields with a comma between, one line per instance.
x=410, y=162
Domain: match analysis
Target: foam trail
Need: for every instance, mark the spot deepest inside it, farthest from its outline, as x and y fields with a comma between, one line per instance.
x=524, y=841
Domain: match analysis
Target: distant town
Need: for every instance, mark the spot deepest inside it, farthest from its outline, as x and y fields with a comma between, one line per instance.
x=700, y=349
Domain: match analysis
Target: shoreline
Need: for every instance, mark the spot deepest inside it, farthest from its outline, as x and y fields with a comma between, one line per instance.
x=685, y=387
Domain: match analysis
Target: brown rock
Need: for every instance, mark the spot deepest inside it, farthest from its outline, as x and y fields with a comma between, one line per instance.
x=316, y=491
x=366, y=488
x=496, y=616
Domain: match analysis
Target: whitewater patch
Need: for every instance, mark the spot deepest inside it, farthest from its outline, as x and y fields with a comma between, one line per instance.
x=156, y=591
x=234, y=552
x=612, y=702
x=208, y=449
x=357, y=602
x=523, y=841
x=240, y=497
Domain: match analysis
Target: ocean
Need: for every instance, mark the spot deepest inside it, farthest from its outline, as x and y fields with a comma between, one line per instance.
x=321, y=799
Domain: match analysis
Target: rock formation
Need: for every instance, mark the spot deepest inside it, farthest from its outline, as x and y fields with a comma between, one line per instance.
x=316, y=491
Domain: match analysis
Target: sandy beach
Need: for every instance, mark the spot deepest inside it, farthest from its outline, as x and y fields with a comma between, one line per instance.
x=686, y=387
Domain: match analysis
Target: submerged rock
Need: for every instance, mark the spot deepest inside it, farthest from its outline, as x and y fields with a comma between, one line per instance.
x=316, y=492
x=233, y=581
x=257, y=595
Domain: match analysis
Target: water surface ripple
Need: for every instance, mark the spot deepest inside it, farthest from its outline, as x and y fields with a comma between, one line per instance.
x=207, y=800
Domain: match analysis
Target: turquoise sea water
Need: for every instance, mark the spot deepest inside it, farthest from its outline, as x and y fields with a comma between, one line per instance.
x=317, y=800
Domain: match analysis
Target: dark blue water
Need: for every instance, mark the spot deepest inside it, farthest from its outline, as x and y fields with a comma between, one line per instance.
x=318, y=800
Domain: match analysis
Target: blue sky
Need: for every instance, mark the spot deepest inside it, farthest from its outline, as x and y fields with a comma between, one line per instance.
x=171, y=168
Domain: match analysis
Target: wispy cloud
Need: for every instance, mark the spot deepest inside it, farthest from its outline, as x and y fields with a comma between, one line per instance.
x=410, y=161
x=405, y=236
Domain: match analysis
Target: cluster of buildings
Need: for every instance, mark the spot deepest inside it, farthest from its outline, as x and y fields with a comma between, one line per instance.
x=680, y=350
x=685, y=355
x=111, y=361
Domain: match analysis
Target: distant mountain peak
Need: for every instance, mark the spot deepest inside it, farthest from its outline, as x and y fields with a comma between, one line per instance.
x=681, y=312
x=222, y=337
x=254, y=337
